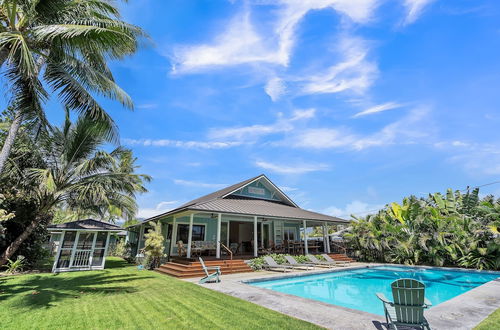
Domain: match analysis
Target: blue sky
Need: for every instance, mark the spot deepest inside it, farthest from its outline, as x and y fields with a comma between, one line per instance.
x=347, y=105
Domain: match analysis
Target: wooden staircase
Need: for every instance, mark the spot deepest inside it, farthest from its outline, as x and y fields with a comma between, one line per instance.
x=193, y=269
x=341, y=257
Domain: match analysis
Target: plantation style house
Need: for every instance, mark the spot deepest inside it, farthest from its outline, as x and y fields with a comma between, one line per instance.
x=246, y=219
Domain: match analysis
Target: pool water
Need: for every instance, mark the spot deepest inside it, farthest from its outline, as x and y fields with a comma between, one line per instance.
x=356, y=288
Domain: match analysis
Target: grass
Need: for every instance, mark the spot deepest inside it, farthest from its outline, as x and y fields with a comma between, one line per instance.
x=123, y=297
x=492, y=322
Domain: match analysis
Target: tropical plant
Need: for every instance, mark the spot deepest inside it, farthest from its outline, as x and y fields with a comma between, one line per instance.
x=15, y=266
x=454, y=229
x=62, y=46
x=153, y=245
x=79, y=176
x=259, y=262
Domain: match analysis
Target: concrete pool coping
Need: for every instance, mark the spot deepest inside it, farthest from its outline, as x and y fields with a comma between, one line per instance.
x=462, y=312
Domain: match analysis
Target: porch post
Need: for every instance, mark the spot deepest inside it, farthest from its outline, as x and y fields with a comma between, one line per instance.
x=106, y=250
x=328, y=239
x=58, y=254
x=190, y=235
x=217, y=251
x=262, y=234
x=255, y=249
x=325, y=237
x=306, y=250
x=73, y=249
x=173, y=237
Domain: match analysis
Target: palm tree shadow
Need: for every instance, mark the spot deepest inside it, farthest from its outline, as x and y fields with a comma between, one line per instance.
x=45, y=291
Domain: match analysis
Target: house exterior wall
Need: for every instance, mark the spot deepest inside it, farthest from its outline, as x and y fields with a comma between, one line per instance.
x=256, y=190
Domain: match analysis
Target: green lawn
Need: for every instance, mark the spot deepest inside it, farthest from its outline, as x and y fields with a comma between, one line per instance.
x=492, y=322
x=125, y=298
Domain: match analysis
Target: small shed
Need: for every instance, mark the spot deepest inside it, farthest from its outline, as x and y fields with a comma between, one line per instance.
x=83, y=244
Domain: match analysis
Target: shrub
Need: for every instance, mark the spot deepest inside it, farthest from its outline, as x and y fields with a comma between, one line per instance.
x=258, y=263
x=15, y=266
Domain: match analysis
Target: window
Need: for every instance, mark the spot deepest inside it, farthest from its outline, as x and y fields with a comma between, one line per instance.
x=183, y=233
x=289, y=234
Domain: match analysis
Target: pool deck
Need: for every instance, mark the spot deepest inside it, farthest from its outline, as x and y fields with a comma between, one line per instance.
x=462, y=312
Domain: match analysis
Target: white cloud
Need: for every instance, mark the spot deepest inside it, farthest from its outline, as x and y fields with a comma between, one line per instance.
x=408, y=129
x=240, y=43
x=147, y=106
x=246, y=133
x=181, y=144
x=355, y=72
x=414, y=9
x=199, y=184
x=288, y=189
x=275, y=88
x=160, y=208
x=475, y=158
x=291, y=169
x=378, y=108
x=355, y=207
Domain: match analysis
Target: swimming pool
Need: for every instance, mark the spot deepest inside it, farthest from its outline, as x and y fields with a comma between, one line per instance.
x=356, y=288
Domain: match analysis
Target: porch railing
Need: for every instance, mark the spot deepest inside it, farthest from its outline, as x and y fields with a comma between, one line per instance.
x=227, y=249
x=81, y=258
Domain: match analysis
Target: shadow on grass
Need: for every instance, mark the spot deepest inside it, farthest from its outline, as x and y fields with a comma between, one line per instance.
x=47, y=290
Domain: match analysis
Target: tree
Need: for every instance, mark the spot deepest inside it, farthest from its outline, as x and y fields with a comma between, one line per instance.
x=153, y=246
x=79, y=175
x=451, y=229
x=63, y=45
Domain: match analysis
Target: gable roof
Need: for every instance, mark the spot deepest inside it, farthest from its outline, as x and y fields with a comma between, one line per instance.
x=225, y=201
x=225, y=192
x=86, y=224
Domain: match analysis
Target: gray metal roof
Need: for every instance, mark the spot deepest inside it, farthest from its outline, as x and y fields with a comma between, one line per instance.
x=86, y=224
x=260, y=207
x=222, y=201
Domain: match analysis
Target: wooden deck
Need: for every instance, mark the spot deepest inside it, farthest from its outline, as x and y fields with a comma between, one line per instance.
x=183, y=267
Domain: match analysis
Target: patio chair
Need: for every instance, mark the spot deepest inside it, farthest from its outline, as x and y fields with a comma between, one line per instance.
x=291, y=260
x=336, y=262
x=181, y=249
x=318, y=263
x=407, y=310
x=271, y=264
x=214, y=277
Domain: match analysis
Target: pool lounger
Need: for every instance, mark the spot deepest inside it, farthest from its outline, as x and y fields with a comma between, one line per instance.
x=291, y=260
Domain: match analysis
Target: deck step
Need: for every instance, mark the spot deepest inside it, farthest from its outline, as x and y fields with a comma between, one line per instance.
x=185, y=269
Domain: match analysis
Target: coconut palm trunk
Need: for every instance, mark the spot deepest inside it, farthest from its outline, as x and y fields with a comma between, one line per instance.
x=14, y=246
x=11, y=137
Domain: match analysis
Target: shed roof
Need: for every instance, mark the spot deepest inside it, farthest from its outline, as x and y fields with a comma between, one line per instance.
x=86, y=224
x=224, y=201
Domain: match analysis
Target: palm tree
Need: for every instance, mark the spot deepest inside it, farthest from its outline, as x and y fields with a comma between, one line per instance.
x=80, y=176
x=63, y=45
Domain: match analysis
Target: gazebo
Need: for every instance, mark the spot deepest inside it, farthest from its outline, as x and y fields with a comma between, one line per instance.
x=82, y=244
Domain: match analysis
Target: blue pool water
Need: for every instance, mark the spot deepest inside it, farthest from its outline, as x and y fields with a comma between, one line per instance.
x=356, y=288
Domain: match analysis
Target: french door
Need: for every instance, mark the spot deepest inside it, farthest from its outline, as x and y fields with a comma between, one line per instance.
x=82, y=249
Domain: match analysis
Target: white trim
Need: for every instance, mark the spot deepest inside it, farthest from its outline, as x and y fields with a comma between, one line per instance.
x=93, y=247
x=190, y=235
x=73, y=250
x=262, y=234
x=173, y=237
x=306, y=248
x=217, y=244
x=106, y=246
x=269, y=181
x=255, y=240
x=59, y=248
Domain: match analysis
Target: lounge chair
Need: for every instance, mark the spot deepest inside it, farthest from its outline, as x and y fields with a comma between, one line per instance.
x=214, y=277
x=318, y=263
x=407, y=310
x=291, y=260
x=336, y=262
x=273, y=265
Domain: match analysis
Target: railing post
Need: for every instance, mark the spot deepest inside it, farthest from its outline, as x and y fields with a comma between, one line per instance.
x=190, y=235
x=219, y=220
